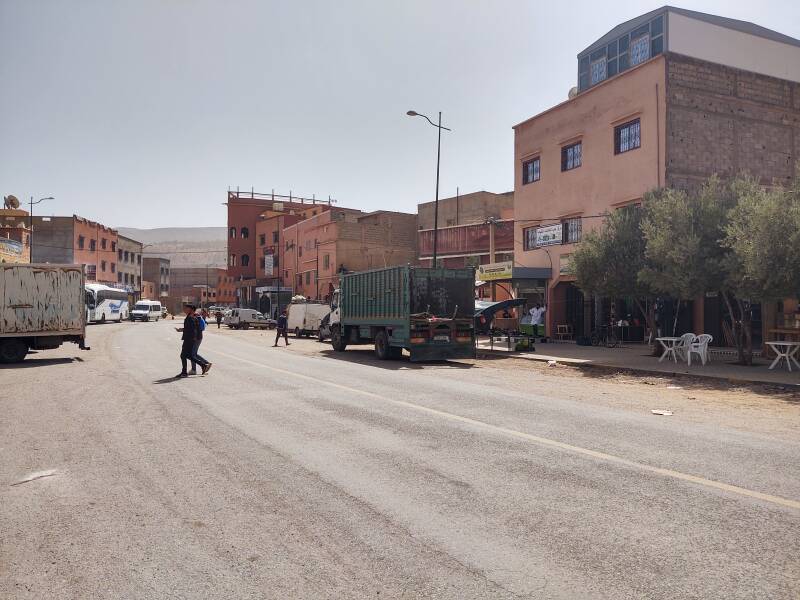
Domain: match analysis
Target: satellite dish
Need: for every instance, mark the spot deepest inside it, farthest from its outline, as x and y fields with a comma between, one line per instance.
x=572, y=93
x=11, y=202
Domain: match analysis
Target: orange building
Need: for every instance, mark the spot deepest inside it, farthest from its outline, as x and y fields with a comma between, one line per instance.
x=15, y=234
x=75, y=240
x=318, y=249
x=666, y=99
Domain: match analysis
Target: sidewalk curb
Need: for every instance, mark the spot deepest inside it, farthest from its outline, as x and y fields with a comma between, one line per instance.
x=647, y=372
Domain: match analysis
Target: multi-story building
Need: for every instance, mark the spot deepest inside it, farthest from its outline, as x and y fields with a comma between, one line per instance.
x=666, y=99
x=318, y=249
x=15, y=236
x=245, y=210
x=200, y=285
x=474, y=229
x=149, y=291
x=156, y=269
x=129, y=264
x=75, y=240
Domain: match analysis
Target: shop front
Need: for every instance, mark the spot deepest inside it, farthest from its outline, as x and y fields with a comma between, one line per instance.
x=505, y=281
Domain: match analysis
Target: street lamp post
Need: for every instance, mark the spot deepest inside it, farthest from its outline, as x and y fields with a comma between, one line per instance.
x=30, y=241
x=412, y=113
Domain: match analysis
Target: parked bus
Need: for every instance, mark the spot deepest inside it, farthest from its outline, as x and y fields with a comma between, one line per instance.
x=104, y=303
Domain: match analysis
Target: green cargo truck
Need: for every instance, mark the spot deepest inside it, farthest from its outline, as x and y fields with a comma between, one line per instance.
x=429, y=312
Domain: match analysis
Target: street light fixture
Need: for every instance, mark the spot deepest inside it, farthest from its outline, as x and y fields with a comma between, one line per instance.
x=439, y=127
x=30, y=214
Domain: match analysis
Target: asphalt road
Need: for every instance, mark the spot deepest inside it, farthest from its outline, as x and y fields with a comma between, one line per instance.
x=307, y=474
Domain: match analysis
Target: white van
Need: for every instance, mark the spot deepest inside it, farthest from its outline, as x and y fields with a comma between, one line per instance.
x=146, y=310
x=304, y=317
x=245, y=318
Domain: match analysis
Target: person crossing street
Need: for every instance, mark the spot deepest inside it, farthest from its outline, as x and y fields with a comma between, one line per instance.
x=281, y=329
x=191, y=333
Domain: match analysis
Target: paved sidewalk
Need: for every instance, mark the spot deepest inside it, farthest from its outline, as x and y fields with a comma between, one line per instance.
x=637, y=357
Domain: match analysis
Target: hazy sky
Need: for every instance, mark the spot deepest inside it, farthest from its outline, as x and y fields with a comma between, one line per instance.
x=142, y=113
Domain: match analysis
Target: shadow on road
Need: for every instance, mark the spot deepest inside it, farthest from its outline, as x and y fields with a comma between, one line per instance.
x=30, y=363
x=367, y=357
x=172, y=379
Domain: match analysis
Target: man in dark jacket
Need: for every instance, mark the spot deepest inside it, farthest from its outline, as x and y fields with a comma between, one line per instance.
x=281, y=328
x=191, y=334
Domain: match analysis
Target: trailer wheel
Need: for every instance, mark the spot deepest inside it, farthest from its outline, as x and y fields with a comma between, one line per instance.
x=337, y=341
x=12, y=351
x=297, y=332
x=246, y=325
x=382, y=348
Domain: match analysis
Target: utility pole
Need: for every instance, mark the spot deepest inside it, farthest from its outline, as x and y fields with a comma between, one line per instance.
x=30, y=215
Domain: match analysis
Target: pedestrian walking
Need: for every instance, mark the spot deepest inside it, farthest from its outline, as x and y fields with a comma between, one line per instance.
x=218, y=317
x=196, y=358
x=191, y=331
x=281, y=329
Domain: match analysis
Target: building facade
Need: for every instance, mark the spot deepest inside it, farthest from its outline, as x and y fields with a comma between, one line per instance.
x=245, y=210
x=75, y=240
x=129, y=265
x=666, y=99
x=157, y=270
x=320, y=248
x=15, y=236
x=200, y=285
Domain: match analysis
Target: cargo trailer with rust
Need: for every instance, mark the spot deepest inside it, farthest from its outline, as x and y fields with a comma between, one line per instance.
x=42, y=307
x=427, y=311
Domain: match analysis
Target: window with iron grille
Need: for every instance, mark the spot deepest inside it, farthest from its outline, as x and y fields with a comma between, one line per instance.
x=529, y=238
x=531, y=170
x=274, y=237
x=81, y=242
x=262, y=239
x=598, y=70
x=627, y=137
x=326, y=261
x=571, y=156
x=92, y=245
x=640, y=49
x=572, y=231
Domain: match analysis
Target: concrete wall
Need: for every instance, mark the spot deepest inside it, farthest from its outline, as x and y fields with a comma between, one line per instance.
x=53, y=240
x=723, y=120
x=723, y=46
x=466, y=209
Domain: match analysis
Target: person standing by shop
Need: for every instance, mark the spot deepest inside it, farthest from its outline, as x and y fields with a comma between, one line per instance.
x=537, y=318
x=281, y=329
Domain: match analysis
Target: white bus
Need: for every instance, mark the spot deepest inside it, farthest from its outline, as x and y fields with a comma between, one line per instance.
x=104, y=303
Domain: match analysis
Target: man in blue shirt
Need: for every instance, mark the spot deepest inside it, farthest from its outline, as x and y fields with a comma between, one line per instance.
x=281, y=327
x=191, y=333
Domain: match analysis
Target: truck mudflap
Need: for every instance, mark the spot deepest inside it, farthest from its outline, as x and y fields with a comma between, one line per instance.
x=429, y=352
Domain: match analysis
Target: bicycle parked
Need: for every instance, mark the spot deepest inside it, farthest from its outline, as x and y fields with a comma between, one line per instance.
x=605, y=335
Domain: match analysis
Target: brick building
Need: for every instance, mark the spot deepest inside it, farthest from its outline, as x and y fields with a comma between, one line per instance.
x=318, y=249
x=468, y=226
x=245, y=210
x=157, y=270
x=201, y=285
x=15, y=236
x=666, y=99
x=75, y=240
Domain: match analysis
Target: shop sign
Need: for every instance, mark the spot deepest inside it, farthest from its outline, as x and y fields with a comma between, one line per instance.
x=10, y=246
x=495, y=271
x=549, y=235
x=269, y=263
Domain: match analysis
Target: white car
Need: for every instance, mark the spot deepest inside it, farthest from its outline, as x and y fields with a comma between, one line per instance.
x=146, y=310
x=245, y=318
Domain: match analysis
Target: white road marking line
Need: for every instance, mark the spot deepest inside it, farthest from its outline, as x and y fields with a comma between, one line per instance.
x=539, y=440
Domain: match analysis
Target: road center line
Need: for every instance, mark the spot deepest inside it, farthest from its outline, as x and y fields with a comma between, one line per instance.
x=537, y=439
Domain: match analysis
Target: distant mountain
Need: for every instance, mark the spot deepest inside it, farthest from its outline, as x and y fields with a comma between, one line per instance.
x=184, y=246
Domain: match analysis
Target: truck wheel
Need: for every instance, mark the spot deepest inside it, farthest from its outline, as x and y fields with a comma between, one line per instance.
x=297, y=332
x=337, y=340
x=320, y=336
x=103, y=318
x=12, y=351
x=382, y=348
x=245, y=325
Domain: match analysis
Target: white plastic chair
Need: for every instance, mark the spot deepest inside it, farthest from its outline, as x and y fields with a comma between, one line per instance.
x=700, y=347
x=683, y=346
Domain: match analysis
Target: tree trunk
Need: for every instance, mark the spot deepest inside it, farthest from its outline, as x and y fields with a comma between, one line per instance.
x=736, y=326
x=747, y=332
x=650, y=320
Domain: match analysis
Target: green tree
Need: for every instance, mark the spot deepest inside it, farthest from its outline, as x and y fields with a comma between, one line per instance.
x=608, y=261
x=762, y=239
